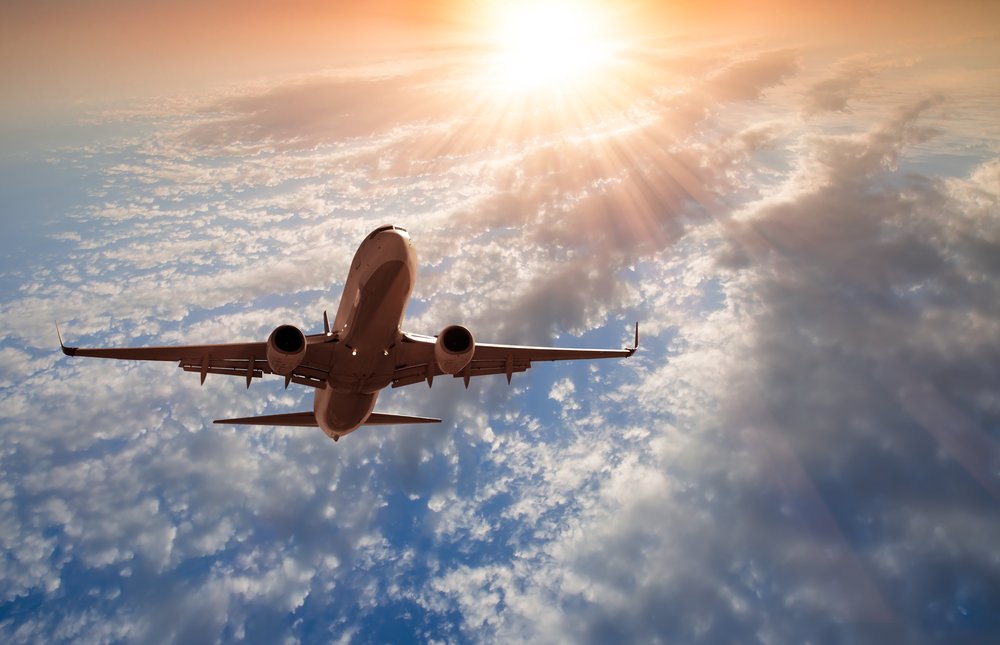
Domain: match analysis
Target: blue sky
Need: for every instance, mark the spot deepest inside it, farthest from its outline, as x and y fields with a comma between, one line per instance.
x=806, y=448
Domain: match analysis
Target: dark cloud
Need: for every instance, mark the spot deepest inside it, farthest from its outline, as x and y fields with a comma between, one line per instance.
x=863, y=344
x=833, y=94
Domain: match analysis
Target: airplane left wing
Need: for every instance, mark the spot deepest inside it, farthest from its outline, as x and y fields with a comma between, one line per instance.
x=418, y=363
x=248, y=360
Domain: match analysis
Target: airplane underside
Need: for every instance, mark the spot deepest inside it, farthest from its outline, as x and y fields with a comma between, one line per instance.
x=338, y=413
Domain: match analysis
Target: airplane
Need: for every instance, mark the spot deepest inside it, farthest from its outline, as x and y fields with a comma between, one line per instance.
x=362, y=352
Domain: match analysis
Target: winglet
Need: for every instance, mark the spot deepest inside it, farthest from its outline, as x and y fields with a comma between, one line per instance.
x=631, y=350
x=69, y=351
x=326, y=323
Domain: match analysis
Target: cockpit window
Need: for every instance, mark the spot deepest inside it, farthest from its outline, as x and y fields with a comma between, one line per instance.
x=387, y=227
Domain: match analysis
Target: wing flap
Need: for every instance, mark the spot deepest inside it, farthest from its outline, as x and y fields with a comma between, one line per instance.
x=416, y=373
x=486, y=368
x=303, y=374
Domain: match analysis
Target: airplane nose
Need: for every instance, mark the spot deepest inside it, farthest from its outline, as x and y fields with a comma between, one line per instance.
x=394, y=239
x=388, y=229
x=401, y=234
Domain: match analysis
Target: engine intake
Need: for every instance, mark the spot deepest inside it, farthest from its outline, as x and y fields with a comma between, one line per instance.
x=454, y=349
x=286, y=349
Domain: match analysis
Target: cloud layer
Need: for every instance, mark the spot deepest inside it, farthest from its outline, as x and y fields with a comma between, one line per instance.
x=805, y=448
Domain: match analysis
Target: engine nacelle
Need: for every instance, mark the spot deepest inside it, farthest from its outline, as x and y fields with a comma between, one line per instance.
x=286, y=349
x=454, y=349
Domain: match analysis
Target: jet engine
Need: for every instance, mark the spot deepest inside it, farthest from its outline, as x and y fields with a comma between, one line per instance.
x=454, y=348
x=286, y=348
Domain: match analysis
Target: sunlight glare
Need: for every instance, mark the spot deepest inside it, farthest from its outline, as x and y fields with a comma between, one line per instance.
x=549, y=44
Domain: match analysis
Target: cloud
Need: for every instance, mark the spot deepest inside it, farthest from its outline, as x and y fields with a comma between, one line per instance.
x=833, y=93
x=321, y=110
x=747, y=79
x=785, y=493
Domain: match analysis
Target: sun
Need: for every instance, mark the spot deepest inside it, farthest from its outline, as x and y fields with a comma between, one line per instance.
x=548, y=45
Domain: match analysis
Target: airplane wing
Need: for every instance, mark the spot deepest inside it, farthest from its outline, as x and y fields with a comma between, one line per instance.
x=248, y=360
x=416, y=358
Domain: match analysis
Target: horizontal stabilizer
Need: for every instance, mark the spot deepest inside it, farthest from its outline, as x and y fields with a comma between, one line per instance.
x=301, y=419
x=383, y=419
x=308, y=420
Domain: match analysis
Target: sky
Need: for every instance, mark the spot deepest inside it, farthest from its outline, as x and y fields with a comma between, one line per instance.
x=800, y=204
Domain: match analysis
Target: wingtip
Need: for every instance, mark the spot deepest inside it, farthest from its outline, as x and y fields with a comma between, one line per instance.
x=69, y=351
x=635, y=345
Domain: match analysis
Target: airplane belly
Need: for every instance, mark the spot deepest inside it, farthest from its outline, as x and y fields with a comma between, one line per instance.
x=340, y=413
x=378, y=311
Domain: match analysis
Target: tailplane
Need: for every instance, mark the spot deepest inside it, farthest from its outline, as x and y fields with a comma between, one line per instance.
x=383, y=419
x=308, y=420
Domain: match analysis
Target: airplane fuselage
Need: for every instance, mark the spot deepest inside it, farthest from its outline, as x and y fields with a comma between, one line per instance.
x=367, y=326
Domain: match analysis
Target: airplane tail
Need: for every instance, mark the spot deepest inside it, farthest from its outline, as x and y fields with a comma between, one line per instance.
x=308, y=420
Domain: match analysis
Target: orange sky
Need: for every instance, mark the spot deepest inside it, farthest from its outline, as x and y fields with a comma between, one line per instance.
x=61, y=51
x=73, y=48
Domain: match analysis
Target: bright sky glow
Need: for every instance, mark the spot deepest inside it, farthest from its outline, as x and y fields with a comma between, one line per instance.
x=549, y=45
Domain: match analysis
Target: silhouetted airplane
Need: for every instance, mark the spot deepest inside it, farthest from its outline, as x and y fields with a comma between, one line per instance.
x=364, y=351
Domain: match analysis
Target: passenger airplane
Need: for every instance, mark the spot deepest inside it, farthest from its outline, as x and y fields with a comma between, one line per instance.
x=364, y=351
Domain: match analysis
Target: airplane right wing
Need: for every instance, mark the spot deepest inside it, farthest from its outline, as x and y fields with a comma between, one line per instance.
x=418, y=363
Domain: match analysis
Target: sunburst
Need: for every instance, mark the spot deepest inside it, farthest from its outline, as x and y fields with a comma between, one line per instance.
x=550, y=45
